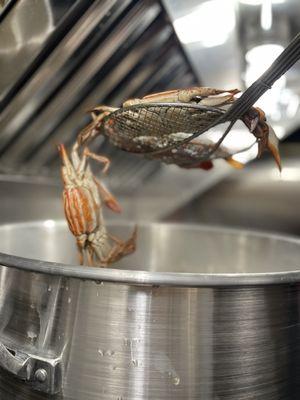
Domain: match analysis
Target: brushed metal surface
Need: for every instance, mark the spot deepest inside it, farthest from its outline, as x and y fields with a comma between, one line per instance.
x=258, y=197
x=27, y=198
x=21, y=41
x=137, y=342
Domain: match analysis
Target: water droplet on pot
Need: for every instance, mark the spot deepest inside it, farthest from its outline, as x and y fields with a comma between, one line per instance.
x=176, y=380
x=101, y=352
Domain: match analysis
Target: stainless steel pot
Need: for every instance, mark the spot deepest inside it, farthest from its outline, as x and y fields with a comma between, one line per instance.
x=196, y=313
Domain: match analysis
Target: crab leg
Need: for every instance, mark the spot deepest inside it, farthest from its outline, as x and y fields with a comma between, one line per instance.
x=121, y=248
x=106, y=196
x=208, y=96
x=92, y=130
x=80, y=254
x=109, y=200
x=101, y=159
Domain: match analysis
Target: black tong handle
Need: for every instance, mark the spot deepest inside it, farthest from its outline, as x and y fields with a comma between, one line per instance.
x=279, y=67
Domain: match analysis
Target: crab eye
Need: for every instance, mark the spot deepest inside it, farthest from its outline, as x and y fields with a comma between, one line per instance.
x=198, y=98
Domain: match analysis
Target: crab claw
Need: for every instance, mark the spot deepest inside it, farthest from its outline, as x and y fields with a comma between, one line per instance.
x=64, y=157
x=62, y=152
x=272, y=146
x=256, y=122
x=253, y=124
x=268, y=141
x=67, y=169
x=86, y=134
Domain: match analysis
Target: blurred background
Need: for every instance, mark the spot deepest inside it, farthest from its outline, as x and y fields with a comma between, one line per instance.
x=61, y=58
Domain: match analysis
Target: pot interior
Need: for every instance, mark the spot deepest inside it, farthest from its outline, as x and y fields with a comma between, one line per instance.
x=163, y=248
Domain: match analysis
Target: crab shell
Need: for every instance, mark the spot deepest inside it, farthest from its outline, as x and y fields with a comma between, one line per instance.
x=81, y=209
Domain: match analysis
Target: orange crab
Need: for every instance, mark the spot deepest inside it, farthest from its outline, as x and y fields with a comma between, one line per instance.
x=83, y=197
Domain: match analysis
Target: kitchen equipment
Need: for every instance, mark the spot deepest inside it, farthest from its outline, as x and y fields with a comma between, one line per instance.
x=196, y=313
x=158, y=119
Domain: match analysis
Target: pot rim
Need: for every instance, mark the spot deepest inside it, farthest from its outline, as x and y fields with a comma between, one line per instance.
x=140, y=277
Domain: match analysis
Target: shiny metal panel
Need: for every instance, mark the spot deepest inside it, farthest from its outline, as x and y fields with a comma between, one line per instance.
x=52, y=73
x=25, y=31
x=137, y=341
x=216, y=61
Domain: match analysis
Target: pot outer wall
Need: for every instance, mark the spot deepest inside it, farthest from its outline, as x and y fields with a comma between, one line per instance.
x=127, y=342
